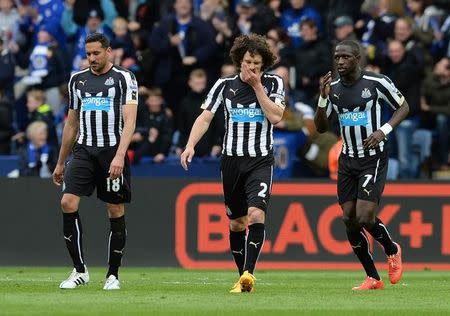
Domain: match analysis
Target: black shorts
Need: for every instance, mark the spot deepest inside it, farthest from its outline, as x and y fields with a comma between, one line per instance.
x=89, y=169
x=362, y=178
x=247, y=182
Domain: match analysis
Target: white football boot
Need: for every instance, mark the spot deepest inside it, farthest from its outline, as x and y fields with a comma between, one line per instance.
x=75, y=279
x=112, y=283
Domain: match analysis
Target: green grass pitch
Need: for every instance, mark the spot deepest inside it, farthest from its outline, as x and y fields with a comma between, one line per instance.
x=164, y=291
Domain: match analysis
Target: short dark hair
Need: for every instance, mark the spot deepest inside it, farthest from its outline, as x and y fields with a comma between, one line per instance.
x=254, y=44
x=354, y=45
x=98, y=37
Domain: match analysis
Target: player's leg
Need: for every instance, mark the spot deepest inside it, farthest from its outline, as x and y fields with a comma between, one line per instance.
x=236, y=208
x=347, y=188
x=371, y=186
x=72, y=229
x=116, y=244
x=358, y=239
x=115, y=193
x=78, y=181
x=237, y=240
x=258, y=187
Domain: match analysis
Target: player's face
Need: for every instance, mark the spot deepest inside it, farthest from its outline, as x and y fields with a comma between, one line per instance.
x=254, y=62
x=97, y=56
x=345, y=60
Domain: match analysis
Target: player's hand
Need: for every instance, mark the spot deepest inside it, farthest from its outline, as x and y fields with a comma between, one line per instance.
x=249, y=76
x=325, y=83
x=186, y=157
x=374, y=139
x=216, y=150
x=58, y=174
x=116, y=167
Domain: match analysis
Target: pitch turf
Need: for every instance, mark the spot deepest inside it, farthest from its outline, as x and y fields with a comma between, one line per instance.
x=150, y=291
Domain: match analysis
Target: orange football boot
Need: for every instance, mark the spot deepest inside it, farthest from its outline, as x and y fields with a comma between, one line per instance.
x=395, y=265
x=370, y=284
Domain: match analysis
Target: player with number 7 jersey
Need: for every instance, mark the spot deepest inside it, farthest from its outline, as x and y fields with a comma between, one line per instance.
x=101, y=121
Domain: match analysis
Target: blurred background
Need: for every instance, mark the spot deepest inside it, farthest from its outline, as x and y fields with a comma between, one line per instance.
x=178, y=49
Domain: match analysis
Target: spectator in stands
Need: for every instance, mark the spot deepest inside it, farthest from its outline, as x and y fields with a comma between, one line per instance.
x=6, y=128
x=42, y=14
x=436, y=102
x=343, y=29
x=401, y=68
x=380, y=24
x=252, y=18
x=39, y=110
x=122, y=44
x=94, y=24
x=214, y=13
x=153, y=128
x=145, y=60
x=146, y=15
x=38, y=157
x=312, y=59
x=425, y=23
x=403, y=32
x=180, y=43
x=291, y=18
x=46, y=69
x=279, y=44
x=8, y=20
x=79, y=11
x=7, y=72
x=211, y=143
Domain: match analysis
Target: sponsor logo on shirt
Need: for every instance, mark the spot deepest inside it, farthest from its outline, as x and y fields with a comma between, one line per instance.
x=353, y=118
x=96, y=104
x=242, y=115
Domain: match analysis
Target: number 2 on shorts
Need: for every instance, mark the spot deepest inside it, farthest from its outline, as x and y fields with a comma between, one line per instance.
x=263, y=191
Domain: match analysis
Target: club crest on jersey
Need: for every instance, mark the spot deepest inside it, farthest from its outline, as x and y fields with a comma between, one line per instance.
x=109, y=81
x=366, y=93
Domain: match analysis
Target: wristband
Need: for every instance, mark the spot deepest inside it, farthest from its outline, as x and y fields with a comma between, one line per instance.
x=322, y=103
x=386, y=129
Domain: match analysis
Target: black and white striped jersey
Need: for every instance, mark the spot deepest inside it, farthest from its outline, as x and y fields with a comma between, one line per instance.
x=359, y=108
x=247, y=130
x=99, y=99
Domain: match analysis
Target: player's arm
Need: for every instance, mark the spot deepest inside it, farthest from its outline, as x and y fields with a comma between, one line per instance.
x=397, y=101
x=321, y=118
x=272, y=110
x=129, y=124
x=199, y=128
x=69, y=136
x=129, y=113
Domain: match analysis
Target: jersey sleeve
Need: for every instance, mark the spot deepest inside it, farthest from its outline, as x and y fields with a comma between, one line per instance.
x=215, y=97
x=131, y=89
x=390, y=93
x=74, y=100
x=277, y=93
x=329, y=108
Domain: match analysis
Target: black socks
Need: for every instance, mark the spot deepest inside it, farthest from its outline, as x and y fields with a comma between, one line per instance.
x=73, y=236
x=360, y=245
x=116, y=245
x=255, y=241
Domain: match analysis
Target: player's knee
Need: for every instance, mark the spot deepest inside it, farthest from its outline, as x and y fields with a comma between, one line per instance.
x=115, y=210
x=237, y=225
x=350, y=223
x=255, y=215
x=69, y=204
x=366, y=220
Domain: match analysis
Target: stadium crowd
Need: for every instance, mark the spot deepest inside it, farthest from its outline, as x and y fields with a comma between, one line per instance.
x=178, y=48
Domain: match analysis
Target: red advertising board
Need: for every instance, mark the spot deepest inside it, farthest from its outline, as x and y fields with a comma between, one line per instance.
x=304, y=228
